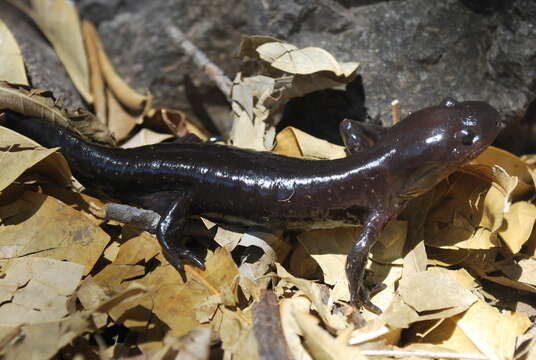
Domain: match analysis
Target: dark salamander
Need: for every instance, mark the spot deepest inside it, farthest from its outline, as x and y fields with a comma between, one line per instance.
x=230, y=185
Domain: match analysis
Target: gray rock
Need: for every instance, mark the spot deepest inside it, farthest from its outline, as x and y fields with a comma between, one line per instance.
x=143, y=53
x=419, y=51
x=44, y=68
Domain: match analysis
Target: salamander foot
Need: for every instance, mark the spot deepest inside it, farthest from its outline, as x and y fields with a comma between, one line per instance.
x=181, y=252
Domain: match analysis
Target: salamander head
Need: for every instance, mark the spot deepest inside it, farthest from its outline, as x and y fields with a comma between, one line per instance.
x=434, y=142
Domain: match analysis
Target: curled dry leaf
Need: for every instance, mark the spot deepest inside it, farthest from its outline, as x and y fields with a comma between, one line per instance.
x=296, y=143
x=119, y=121
x=320, y=344
x=227, y=238
x=290, y=59
x=12, y=68
x=145, y=137
x=334, y=321
x=466, y=214
x=284, y=72
x=237, y=336
x=291, y=329
x=519, y=225
x=98, y=89
x=168, y=120
x=124, y=93
x=58, y=20
x=39, y=103
x=253, y=274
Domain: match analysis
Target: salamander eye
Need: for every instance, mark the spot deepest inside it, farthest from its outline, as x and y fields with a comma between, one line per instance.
x=448, y=102
x=467, y=137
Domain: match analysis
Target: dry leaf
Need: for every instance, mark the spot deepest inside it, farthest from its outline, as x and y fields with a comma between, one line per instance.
x=227, y=238
x=291, y=330
x=334, y=321
x=44, y=340
x=36, y=290
x=172, y=301
x=329, y=249
x=493, y=333
x=481, y=328
x=125, y=94
x=519, y=224
x=524, y=271
x=284, y=72
x=290, y=59
x=237, y=337
x=415, y=289
x=18, y=154
x=471, y=212
x=145, y=137
x=195, y=345
x=168, y=121
x=320, y=343
x=398, y=314
x=39, y=103
x=120, y=122
x=98, y=89
x=252, y=273
x=12, y=68
x=58, y=20
x=512, y=164
x=296, y=143
x=37, y=224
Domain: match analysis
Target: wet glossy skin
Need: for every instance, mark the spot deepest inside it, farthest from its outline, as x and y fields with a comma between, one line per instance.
x=369, y=187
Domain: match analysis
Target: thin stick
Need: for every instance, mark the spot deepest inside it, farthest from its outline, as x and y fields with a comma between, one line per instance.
x=145, y=219
x=395, y=111
x=429, y=354
x=200, y=59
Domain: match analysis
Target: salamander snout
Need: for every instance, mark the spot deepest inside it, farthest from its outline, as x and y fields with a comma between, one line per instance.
x=482, y=120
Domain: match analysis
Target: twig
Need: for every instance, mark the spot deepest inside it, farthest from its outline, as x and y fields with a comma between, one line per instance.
x=200, y=59
x=267, y=328
x=362, y=338
x=145, y=219
x=395, y=111
x=428, y=354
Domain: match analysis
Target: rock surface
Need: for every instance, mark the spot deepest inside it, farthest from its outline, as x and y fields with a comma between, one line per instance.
x=417, y=51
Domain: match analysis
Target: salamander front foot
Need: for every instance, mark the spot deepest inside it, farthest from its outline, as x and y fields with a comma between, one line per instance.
x=169, y=233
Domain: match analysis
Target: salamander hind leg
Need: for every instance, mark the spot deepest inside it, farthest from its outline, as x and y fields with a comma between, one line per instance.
x=169, y=232
x=357, y=260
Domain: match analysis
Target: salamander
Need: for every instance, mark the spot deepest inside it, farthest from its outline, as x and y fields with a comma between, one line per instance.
x=385, y=168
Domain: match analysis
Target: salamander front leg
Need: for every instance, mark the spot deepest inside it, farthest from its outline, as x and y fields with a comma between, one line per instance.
x=169, y=231
x=358, y=136
x=357, y=260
